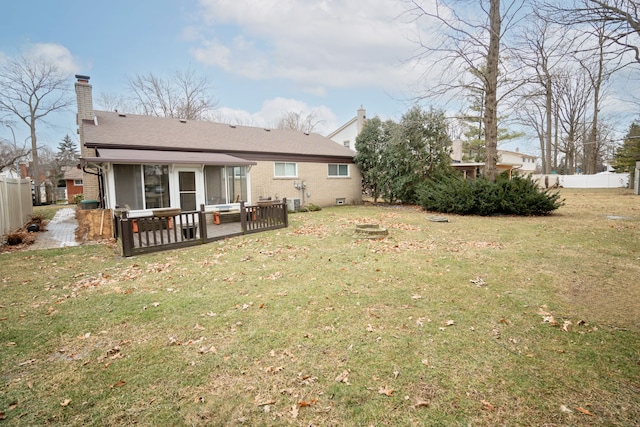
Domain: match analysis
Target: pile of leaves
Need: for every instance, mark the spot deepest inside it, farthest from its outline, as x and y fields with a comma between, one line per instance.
x=516, y=196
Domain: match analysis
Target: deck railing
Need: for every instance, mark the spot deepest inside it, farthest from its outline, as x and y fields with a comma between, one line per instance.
x=173, y=230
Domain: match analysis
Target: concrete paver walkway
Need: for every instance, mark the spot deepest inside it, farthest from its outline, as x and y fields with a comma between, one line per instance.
x=61, y=231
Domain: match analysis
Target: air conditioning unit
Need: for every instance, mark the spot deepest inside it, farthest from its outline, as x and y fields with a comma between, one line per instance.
x=293, y=205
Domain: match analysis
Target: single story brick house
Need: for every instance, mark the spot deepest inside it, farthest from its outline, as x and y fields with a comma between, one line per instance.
x=143, y=163
x=73, y=180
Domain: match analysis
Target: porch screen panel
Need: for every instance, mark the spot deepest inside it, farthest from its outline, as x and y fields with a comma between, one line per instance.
x=156, y=186
x=215, y=192
x=128, y=186
x=237, y=183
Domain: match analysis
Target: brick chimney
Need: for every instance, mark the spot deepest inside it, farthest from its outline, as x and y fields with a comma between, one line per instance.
x=91, y=189
x=362, y=116
x=85, y=99
x=23, y=170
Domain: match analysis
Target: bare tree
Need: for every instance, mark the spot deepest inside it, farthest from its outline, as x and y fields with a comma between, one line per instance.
x=472, y=42
x=299, y=121
x=544, y=47
x=598, y=67
x=619, y=19
x=31, y=88
x=111, y=102
x=572, y=103
x=182, y=95
x=10, y=154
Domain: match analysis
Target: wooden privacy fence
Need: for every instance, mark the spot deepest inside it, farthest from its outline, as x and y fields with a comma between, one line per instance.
x=16, y=207
x=170, y=229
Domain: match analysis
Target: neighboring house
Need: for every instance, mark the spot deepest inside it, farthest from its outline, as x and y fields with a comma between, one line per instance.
x=346, y=134
x=512, y=162
x=143, y=163
x=73, y=180
x=525, y=163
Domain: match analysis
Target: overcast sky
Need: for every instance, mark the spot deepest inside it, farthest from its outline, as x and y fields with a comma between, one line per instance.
x=263, y=57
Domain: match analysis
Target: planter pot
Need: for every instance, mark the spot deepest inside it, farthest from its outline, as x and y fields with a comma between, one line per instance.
x=164, y=212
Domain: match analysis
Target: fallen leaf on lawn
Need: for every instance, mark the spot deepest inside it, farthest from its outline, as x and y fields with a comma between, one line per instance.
x=416, y=296
x=66, y=402
x=478, y=282
x=487, y=406
x=421, y=404
x=11, y=344
x=3, y=416
x=118, y=384
x=27, y=362
x=304, y=404
x=450, y=323
x=13, y=406
x=370, y=328
x=198, y=327
x=266, y=402
x=371, y=313
x=386, y=391
x=584, y=411
x=565, y=325
x=205, y=350
x=565, y=409
x=343, y=377
x=294, y=411
x=273, y=369
x=395, y=374
x=504, y=321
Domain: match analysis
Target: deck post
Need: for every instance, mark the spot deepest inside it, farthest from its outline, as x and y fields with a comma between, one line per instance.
x=243, y=217
x=203, y=224
x=285, y=212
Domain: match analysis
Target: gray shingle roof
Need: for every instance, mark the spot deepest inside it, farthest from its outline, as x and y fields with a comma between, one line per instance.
x=133, y=131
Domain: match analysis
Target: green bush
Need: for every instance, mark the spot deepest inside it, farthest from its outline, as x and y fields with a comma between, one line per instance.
x=78, y=198
x=517, y=196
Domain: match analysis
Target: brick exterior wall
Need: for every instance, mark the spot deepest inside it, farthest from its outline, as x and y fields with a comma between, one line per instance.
x=321, y=189
x=73, y=189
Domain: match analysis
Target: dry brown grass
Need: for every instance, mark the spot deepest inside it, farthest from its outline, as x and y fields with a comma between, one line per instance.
x=478, y=321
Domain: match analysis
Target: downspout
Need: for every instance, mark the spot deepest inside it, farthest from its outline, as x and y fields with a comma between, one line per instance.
x=100, y=184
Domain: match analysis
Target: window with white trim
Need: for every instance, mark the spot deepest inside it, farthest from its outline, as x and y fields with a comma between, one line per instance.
x=77, y=182
x=285, y=170
x=338, y=170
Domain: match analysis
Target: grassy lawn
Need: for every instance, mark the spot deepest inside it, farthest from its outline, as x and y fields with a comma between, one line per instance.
x=478, y=321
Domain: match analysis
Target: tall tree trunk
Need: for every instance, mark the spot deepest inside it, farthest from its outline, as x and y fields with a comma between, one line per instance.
x=546, y=161
x=491, y=91
x=35, y=166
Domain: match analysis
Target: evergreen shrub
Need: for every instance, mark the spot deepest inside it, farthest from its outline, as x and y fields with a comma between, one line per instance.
x=517, y=196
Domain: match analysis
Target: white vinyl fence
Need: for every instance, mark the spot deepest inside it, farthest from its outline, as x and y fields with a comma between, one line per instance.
x=599, y=180
x=15, y=203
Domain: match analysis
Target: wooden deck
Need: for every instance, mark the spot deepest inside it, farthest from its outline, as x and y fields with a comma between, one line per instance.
x=178, y=229
x=148, y=238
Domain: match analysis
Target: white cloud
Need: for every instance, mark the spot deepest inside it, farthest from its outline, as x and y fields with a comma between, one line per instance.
x=55, y=53
x=273, y=109
x=315, y=44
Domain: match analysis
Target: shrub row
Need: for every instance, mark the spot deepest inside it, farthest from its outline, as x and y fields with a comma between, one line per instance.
x=517, y=196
